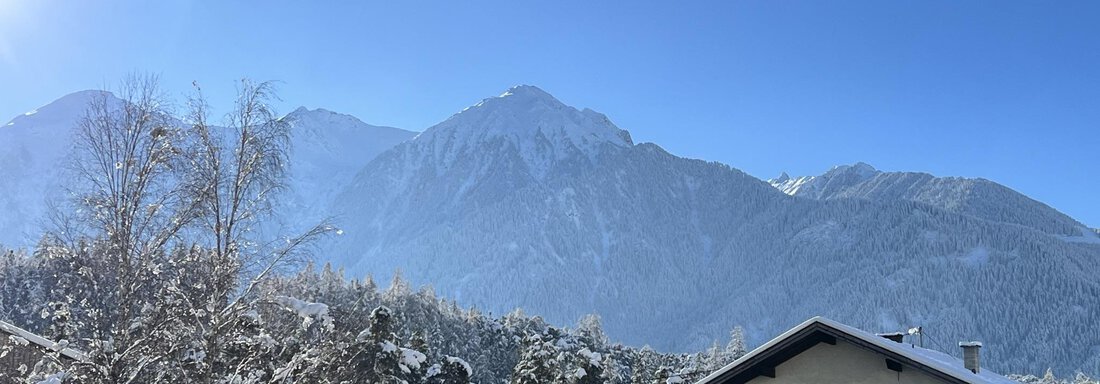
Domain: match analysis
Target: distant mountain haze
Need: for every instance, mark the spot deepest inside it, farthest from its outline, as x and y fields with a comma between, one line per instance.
x=328, y=148
x=523, y=201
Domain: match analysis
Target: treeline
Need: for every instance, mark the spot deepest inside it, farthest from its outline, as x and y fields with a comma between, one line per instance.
x=316, y=327
x=1049, y=378
x=157, y=271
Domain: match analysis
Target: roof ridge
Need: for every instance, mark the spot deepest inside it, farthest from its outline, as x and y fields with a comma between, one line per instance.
x=928, y=358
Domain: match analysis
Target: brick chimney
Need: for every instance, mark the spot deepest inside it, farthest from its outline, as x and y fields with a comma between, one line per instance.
x=972, y=355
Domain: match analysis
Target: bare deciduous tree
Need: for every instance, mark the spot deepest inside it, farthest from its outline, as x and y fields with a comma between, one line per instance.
x=127, y=167
x=170, y=262
x=238, y=171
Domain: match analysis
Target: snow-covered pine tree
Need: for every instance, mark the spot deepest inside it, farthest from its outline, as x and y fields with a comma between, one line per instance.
x=381, y=347
x=536, y=363
x=736, y=346
x=713, y=358
x=588, y=368
x=590, y=330
x=640, y=371
x=418, y=342
x=662, y=375
x=452, y=370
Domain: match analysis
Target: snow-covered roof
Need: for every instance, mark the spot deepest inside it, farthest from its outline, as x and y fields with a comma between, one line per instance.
x=948, y=366
x=43, y=342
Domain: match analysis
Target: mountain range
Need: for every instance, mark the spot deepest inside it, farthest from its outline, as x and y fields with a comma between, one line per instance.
x=523, y=201
x=328, y=148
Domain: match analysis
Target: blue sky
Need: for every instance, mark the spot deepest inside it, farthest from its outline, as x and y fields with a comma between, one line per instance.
x=1008, y=91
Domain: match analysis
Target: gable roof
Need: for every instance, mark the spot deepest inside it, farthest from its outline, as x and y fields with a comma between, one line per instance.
x=42, y=342
x=764, y=359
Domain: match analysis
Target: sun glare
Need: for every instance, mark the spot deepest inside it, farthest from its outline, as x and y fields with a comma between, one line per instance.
x=14, y=14
x=7, y=10
x=10, y=22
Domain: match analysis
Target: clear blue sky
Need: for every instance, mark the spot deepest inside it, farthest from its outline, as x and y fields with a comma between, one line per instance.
x=1008, y=91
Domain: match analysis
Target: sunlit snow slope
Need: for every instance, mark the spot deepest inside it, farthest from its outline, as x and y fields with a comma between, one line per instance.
x=521, y=200
x=33, y=151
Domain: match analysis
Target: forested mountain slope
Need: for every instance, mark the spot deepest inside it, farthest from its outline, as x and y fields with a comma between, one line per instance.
x=523, y=201
x=975, y=197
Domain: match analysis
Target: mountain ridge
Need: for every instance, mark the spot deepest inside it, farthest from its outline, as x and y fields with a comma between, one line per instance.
x=327, y=149
x=973, y=196
x=671, y=250
x=541, y=129
x=555, y=209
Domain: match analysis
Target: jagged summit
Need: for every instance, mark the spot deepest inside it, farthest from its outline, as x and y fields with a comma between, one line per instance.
x=782, y=178
x=303, y=110
x=524, y=91
x=528, y=121
x=975, y=197
x=816, y=186
x=859, y=169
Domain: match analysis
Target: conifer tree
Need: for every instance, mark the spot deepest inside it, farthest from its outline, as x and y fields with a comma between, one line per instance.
x=453, y=371
x=662, y=375
x=536, y=364
x=736, y=347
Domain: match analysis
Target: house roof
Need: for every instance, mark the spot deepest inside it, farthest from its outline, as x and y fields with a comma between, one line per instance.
x=819, y=329
x=42, y=341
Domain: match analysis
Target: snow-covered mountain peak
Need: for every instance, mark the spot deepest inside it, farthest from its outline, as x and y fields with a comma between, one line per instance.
x=789, y=185
x=529, y=92
x=299, y=111
x=336, y=138
x=782, y=178
x=975, y=197
x=33, y=147
x=860, y=170
x=815, y=186
x=302, y=113
x=327, y=149
x=538, y=127
x=62, y=110
x=321, y=118
x=305, y=111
